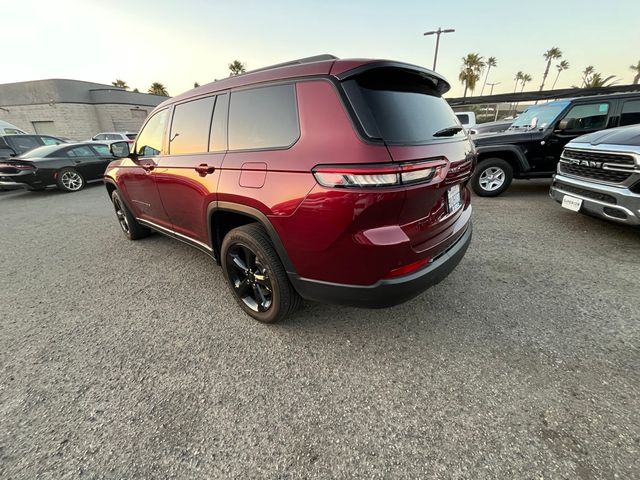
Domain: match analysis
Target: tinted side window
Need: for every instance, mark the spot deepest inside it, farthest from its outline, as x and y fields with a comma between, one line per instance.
x=218, y=138
x=102, y=150
x=101, y=136
x=190, y=126
x=588, y=117
x=264, y=117
x=150, y=139
x=50, y=141
x=630, y=113
x=83, y=151
x=464, y=118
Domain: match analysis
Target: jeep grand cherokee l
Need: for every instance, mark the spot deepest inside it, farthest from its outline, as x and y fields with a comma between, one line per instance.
x=599, y=174
x=531, y=146
x=332, y=180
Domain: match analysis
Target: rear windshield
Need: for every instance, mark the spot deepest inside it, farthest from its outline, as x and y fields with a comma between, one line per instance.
x=400, y=107
x=132, y=136
x=22, y=143
x=41, y=151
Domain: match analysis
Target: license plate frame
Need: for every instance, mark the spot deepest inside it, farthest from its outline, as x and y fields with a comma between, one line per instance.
x=571, y=203
x=454, y=198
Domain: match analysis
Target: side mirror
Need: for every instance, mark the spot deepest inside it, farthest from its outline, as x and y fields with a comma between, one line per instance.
x=563, y=125
x=119, y=149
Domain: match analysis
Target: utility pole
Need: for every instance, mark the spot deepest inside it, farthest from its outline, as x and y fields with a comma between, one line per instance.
x=437, y=33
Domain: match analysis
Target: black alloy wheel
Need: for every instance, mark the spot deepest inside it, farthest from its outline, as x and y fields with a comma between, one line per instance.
x=256, y=275
x=249, y=277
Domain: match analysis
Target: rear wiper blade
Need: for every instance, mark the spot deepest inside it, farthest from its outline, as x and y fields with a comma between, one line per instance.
x=447, y=132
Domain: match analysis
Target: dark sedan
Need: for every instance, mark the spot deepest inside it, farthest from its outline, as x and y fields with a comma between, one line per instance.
x=67, y=166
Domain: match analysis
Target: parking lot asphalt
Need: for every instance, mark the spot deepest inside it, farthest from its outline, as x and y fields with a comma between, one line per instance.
x=127, y=359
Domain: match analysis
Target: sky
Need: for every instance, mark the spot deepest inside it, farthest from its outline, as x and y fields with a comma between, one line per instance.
x=181, y=42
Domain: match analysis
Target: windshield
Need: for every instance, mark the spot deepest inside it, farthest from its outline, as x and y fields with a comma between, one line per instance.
x=40, y=152
x=401, y=107
x=544, y=115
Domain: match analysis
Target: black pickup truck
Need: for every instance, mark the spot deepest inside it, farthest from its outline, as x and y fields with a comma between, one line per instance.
x=531, y=146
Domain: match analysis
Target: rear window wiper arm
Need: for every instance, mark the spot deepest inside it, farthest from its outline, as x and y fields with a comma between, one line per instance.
x=447, y=132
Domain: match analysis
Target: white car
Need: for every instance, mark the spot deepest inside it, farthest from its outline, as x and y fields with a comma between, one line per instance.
x=115, y=137
x=8, y=129
x=467, y=119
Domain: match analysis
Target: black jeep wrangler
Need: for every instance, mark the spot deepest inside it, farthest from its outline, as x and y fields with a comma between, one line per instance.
x=531, y=146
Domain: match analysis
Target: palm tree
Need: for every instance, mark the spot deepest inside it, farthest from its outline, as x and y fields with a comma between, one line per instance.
x=518, y=79
x=586, y=73
x=526, y=78
x=196, y=84
x=135, y=90
x=491, y=62
x=550, y=55
x=157, y=88
x=472, y=66
x=563, y=65
x=120, y=84
x=636, y=69
x=596, y=81
x=237, y=67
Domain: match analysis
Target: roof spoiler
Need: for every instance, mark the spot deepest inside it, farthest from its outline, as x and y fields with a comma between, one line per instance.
x=438, y=81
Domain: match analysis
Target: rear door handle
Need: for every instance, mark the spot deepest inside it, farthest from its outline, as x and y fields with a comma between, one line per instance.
x=148, y=167
x=204, y=169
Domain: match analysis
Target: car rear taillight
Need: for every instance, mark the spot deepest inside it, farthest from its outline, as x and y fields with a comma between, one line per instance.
x=378, y=175
x=407, y=269
x=24, y=167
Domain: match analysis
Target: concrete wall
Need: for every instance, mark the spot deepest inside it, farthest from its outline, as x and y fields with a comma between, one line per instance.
x=77, y=109
x=77, y=121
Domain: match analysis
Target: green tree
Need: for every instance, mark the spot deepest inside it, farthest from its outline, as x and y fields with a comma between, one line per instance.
x=550, y=55
x=518, y=79
x=236, y=68
x=157, y=88
x=196, y=84
x=636, y=70
x=586, y=73
x=526, y=78
x=596, y=81
x=562, y=66
x=472, y=66
x=135, y=90
x=120, y=84
x=491, y=62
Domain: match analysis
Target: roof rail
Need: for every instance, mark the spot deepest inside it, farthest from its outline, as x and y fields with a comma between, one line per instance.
x=315, y=58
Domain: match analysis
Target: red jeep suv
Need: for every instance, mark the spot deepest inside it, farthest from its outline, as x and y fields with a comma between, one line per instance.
x=341, y=181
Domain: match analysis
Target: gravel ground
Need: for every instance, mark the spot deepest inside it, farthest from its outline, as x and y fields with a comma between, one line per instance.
x=130, y=360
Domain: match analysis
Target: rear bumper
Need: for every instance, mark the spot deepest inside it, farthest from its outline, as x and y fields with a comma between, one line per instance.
x=618, y=204
x=388, y=292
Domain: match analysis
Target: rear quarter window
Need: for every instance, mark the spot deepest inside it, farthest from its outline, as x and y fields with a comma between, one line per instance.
x=399, y=107
x=265, y=117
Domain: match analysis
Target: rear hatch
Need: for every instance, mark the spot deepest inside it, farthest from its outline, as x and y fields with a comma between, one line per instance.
x=402, y=106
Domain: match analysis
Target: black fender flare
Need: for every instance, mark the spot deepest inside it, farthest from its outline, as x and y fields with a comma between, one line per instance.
x=260, y=218
x=521, y=158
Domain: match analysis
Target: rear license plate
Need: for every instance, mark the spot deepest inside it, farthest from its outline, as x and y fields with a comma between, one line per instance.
x=454, y=201
x=571, y=203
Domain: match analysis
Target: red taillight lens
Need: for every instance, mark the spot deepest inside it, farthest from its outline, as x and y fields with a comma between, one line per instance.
x=407, y=269
x=24, y=167
x=362, y=176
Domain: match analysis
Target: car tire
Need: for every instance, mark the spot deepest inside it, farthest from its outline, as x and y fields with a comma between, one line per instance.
x=492, y=177
x=131, y=228
x=70, y=180
x=256, y=276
